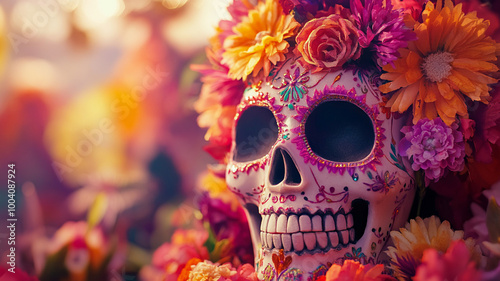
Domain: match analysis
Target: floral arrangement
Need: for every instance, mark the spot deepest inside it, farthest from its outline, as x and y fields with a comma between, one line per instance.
x=435, y=58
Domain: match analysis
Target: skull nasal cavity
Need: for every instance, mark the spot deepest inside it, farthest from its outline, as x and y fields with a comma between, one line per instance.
x=283, y=169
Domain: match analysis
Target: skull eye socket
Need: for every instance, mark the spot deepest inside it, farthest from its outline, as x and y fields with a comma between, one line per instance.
x=340, y=131
x=256, y=133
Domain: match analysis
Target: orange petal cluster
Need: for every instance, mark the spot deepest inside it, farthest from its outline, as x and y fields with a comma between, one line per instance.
x=452, y=60
x=259, y=41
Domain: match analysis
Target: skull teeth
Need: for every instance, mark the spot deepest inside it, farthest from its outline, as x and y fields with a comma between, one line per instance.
x=292, y=223
x=299, y=233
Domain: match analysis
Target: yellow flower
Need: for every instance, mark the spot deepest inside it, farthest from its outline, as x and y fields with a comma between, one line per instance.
x=3, y=41
x=452, y=58
x=92, y=134
x=217, y=188
x=419, y=235
x=259, y=40
x=207, y=271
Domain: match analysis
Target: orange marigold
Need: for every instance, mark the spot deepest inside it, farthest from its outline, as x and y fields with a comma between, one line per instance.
x=452, y=58
x=259, y=40
x=353, y=270
x=184, y=276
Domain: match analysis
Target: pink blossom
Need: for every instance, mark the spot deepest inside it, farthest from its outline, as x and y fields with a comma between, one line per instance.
x=246, y=272
x=433, y=147
x=237, y=10
x=476, y=226
x=453, y=265
x=468, y=126
x=170, y=258
x=217, y=84
x=77, y=249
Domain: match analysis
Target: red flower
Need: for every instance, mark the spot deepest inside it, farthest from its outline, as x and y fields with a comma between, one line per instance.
x=18, y=275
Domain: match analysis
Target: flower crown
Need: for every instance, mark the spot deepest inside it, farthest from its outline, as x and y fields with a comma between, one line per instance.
x=433, y=58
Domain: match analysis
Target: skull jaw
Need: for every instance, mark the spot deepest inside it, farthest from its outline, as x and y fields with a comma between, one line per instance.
x=366, y=247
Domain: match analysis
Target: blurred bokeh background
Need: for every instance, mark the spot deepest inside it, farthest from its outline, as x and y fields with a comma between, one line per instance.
x=96, y=114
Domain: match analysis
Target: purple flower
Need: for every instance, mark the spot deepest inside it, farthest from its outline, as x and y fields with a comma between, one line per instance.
x=382, y=31
x=433, y=147
x=309, y=7
x=383, y=183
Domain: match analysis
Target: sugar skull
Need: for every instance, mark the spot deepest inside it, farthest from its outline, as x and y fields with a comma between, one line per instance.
x=314, y=162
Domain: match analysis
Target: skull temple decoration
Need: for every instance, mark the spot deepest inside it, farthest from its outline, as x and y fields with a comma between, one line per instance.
x=315, y=165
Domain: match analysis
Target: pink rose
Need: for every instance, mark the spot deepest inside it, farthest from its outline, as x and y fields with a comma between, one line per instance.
x=328, y=42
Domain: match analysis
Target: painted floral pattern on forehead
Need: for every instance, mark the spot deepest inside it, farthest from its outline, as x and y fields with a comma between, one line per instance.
x=428, y=59
x=327, y=35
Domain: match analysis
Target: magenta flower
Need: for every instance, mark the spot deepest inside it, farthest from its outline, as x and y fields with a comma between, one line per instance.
x=307, y=8
x=455, y=265
x=227, y=223
x=382, y=30
x=217, y=84
x=433, y=147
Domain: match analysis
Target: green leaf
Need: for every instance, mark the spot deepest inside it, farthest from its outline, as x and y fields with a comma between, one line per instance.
x=54, y=268
x=400, y=166
x=393, y=157
x=222, y=249
x=211, y=240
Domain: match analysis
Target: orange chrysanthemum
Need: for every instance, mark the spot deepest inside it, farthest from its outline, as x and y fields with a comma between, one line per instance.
x=259, y=40
x=452, y=58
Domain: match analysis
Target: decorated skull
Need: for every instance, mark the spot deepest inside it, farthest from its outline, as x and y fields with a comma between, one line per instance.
x=314, y=161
